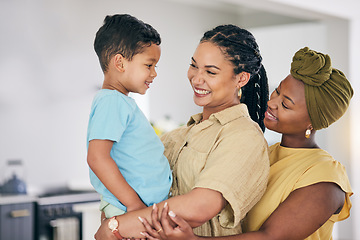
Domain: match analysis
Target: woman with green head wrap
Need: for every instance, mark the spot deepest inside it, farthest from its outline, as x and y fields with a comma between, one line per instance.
x=308, y=191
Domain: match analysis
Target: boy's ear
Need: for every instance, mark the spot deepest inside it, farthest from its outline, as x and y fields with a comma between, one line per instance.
x=118, y=61
x=242, y=79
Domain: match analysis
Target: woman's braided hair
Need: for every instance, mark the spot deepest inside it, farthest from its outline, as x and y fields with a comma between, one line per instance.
x=239, y=47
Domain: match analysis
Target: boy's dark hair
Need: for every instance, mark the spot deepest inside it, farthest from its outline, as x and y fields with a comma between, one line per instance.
x=240, y=47
x=123, y=34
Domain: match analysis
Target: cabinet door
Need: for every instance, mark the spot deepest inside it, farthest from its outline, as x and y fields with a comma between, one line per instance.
x=17, y=222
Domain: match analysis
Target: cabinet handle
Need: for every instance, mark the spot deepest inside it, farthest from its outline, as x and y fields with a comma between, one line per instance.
x=20, y=213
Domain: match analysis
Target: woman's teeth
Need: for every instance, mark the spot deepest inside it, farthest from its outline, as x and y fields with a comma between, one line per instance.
x=272, y=116
x=203, y=92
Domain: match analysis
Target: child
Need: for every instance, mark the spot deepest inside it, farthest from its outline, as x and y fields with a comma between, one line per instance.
x=125, y=156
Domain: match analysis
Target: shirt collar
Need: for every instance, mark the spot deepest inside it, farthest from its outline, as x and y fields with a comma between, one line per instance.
x=224, y=116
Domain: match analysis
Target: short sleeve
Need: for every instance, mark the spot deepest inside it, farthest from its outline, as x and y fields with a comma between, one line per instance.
x=238, y=167
x=329, y=170
x=108, y=118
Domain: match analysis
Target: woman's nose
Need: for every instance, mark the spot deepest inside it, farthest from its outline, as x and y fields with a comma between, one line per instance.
x=197, y=78
x=272, y=103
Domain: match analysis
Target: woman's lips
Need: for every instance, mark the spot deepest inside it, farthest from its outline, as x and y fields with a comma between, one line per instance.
x=269, y=115
x=201, y=92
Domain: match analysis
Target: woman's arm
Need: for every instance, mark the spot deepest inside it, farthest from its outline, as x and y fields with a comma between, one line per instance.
x=196, y=207
x=107, y=171
x=302, y=213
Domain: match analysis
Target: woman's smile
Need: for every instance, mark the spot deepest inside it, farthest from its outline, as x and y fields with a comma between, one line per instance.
x=201, y=92
x=270, y=116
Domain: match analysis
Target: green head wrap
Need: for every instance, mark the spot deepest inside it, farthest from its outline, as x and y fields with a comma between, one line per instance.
x=327, y=91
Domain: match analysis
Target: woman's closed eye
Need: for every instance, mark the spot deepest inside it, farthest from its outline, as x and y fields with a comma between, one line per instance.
x=284, y=105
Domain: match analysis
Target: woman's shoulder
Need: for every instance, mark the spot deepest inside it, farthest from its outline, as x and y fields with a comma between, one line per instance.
x=174, y=134
x=244, y=127
x=314, y=161
x=322, y=167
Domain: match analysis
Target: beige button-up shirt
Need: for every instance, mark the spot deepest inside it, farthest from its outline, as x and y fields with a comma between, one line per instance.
x=226, y=153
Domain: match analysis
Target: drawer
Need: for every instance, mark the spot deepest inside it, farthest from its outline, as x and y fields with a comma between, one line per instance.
x=17, y=221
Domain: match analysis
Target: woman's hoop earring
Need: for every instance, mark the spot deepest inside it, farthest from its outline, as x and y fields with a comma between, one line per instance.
x=239, y=93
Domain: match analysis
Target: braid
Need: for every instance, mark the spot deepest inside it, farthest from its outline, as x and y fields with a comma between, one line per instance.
x=240, y=47
x=255, y=96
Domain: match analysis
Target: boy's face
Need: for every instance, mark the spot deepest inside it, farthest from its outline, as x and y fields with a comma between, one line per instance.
x=140, y=72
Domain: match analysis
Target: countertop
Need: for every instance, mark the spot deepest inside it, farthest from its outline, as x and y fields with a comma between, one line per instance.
x=54, y=198
x=15, y=199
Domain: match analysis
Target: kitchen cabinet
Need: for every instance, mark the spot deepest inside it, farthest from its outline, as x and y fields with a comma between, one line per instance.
x=50, y=216
x=16, y=218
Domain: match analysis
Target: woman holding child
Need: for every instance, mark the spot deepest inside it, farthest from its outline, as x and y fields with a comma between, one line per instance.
x=220, y=158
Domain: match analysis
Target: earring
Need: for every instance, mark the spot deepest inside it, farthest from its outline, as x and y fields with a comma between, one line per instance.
x=239, y=93
x=308, y=132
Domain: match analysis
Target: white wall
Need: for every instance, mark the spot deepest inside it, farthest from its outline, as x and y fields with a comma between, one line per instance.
x=354, y=64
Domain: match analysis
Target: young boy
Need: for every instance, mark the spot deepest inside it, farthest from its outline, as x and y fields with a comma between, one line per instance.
x=125, y=156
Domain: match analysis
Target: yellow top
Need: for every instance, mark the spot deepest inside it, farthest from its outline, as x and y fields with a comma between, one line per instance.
x=226, y=153
x=294, y=168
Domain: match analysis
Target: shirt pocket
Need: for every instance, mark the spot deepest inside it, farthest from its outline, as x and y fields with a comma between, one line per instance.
x=188, y=167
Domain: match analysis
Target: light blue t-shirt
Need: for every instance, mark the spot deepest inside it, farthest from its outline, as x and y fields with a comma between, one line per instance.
x=137, y=150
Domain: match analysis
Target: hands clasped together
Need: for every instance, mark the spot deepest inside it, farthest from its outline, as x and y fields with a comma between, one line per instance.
x=168, y=226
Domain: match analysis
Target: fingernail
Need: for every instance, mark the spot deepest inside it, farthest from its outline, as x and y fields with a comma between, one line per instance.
x=154, y=205
x=143, y=234
x=172, y=214
x=140, y=219
x=165, y=204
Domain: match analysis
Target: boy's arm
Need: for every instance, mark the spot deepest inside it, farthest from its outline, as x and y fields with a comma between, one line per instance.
x=107, y=171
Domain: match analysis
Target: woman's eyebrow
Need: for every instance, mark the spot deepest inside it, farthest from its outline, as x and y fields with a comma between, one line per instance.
x=206, y=66
x=212, y=66
x=289, y=99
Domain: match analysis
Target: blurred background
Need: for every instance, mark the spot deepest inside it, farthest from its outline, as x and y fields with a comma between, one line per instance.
x=49, y=74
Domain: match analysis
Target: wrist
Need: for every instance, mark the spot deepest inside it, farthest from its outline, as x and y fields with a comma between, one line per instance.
x=113, y=225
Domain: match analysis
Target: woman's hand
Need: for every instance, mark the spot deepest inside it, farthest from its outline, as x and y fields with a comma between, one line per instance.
x=170, y=226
